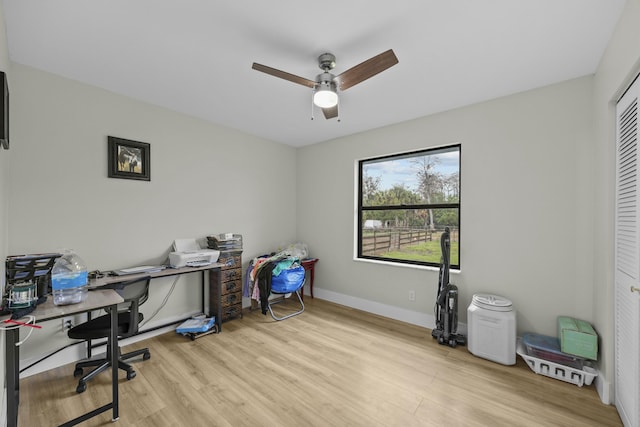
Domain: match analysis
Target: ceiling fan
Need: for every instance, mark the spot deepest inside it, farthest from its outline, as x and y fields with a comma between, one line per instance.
x=325, y=86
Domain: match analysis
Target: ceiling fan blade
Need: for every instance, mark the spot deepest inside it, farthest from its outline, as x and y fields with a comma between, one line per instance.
x=331, y=112
x=367, y=69
x=284, y=75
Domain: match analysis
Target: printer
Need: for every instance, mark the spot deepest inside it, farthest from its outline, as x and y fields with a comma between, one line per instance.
x=187, y=253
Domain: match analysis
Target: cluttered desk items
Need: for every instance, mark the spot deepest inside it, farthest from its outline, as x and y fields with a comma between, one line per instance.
x=27, y=281
x=187, y=253
x=45, y=311
x=225, y=241
x=138, y=270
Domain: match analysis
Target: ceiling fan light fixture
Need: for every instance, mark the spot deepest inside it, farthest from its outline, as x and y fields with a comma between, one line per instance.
x=325, y=86
x=325, y=95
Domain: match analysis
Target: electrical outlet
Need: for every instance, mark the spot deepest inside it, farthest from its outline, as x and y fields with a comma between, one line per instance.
x=67, y=323
x=412, y=295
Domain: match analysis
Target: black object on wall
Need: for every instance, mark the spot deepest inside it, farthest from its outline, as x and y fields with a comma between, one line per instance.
x=4, y=112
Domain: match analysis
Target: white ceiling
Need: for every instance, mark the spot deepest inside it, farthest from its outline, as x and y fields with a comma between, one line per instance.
x=195, y=56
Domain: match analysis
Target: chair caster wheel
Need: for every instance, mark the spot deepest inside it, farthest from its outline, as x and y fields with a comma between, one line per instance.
x=453, y=343
x=82, y=386
x=77, y=372
x=146, y=356
x=131, y=374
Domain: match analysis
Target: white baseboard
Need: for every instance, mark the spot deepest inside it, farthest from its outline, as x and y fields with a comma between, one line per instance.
x=603, y=387
x=424, y=319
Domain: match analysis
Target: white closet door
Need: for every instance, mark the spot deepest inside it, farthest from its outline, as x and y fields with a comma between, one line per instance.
x=627, y=259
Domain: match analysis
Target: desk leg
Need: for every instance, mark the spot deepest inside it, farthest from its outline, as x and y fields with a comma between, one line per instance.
x=112, y=344
x=114, y=361
x=12, y=375
x=204, y=291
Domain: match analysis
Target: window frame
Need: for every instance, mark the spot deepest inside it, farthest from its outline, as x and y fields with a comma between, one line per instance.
x=406, y=207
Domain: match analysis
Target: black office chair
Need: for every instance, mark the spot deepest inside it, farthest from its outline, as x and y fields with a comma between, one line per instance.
x=135, y=293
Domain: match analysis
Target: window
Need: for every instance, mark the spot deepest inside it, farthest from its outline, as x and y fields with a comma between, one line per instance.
x=405, y=202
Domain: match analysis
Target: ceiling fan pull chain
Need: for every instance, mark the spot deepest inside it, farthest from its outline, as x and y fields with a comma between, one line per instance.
x=312, y=106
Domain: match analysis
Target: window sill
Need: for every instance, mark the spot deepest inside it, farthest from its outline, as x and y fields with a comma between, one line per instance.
x=398, y=264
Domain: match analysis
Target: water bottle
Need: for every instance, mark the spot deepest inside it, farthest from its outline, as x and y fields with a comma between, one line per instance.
x=69, y=279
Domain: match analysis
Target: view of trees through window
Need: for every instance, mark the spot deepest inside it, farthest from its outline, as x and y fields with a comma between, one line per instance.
x=405, y=203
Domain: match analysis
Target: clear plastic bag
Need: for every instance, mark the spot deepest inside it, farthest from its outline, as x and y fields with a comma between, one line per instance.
x=297, y=250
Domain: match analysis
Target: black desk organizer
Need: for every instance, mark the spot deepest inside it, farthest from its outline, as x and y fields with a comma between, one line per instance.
x=30, y=274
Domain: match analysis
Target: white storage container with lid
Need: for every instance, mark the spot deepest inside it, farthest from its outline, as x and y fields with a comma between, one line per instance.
x=492, y=328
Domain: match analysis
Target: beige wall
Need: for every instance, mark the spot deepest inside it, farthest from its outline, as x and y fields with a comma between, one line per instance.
x=537, y=203
x=205, y=179
x=526, y=216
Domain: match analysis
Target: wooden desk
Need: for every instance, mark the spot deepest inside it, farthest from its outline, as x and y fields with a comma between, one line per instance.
x=309, y=265
x=95, y=300
x=214, y=270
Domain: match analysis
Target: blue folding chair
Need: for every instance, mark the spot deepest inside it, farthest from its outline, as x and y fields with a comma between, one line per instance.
x=289, y=281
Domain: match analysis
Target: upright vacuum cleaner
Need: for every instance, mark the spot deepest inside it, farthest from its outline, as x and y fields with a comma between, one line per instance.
x=446, y=308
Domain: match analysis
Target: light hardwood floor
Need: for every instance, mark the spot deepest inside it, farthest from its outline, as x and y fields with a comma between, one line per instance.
x=330, y=366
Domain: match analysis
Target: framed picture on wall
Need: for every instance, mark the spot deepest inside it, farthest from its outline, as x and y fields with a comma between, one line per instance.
x=129, y=159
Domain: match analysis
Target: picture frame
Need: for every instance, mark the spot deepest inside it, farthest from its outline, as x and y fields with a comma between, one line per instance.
x=129, y=159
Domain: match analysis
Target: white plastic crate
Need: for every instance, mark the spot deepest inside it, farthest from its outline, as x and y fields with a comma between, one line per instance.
x=569, y=374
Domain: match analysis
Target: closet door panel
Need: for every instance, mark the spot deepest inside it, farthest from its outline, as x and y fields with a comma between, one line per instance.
x=627, y=260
